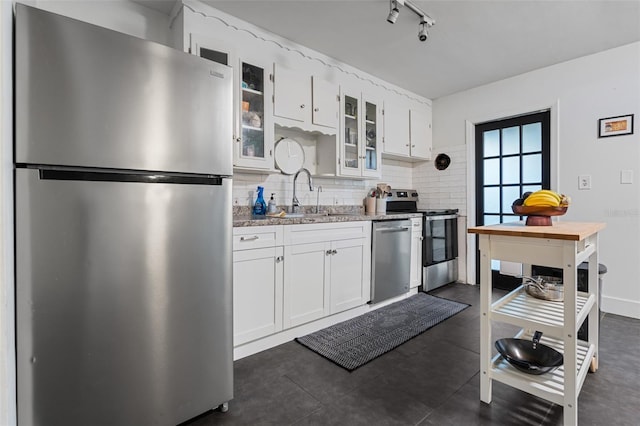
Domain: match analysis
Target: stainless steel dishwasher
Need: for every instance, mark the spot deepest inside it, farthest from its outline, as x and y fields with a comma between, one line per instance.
x=391, y=250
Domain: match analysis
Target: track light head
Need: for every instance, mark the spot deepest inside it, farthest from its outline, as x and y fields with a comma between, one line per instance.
x=423, y=33
x=393, y=13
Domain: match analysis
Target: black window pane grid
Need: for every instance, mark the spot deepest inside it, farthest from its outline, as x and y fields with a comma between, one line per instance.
x=509, y=163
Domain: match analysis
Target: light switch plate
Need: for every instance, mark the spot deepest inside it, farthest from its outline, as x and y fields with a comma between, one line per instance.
x=626, y=176
x=584, y=182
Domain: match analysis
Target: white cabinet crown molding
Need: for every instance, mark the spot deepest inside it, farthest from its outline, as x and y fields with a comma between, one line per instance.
x=237, y=24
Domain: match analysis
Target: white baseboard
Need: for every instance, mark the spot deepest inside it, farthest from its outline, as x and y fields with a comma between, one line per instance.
x=302, y=330
x=618, y=306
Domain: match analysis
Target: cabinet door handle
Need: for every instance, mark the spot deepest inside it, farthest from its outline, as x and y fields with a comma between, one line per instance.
x=328, y=253
x=238, y=139
x=413, y=146
x=316, y=109
x=302, y=106
x=421, y=238
x=253, y=238
x=334, y=251
x=279, y=259
x=407, y=145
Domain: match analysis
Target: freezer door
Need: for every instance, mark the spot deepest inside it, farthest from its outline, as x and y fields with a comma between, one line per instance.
x=91, y=97
x=123, y=296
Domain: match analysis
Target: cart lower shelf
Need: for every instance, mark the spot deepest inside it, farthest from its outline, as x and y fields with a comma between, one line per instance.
x=549, y=386
x=526, y=311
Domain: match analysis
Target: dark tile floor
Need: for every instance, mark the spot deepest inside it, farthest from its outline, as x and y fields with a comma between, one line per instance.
x=430, y=380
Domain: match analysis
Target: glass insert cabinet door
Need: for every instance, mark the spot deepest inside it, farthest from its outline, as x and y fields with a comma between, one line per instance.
x=252, y=101
x=351, y=138
x=372, y=138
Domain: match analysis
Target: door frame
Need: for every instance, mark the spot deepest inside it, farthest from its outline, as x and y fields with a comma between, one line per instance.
x=470, y=139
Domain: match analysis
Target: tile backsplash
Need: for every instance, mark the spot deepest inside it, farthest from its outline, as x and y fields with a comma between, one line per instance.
x=335, y=191
x=437, y=189
x=441, y=189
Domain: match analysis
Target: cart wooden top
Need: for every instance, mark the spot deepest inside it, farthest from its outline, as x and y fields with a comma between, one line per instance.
x=571, y=231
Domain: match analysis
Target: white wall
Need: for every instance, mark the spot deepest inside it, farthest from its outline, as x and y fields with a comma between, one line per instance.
x=122, y=16
x=580, y=92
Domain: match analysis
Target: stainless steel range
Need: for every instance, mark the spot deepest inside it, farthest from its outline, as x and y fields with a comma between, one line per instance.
x=439, y=238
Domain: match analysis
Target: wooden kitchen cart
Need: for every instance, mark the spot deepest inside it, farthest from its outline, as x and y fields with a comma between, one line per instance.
x=563, y=245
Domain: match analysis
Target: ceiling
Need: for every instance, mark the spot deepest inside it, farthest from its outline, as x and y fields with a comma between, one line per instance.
x=474, y=42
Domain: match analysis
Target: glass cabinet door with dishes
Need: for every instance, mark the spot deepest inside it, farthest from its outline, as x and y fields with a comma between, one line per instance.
x=254, y=138
x=360, y=136
x=372, y=134
x=350, y=156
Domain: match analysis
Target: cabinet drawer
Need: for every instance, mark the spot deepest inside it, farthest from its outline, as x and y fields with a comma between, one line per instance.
x=252, y=237
x=303, y=234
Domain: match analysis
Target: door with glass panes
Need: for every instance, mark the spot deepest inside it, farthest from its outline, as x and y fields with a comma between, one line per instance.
x=512, y=157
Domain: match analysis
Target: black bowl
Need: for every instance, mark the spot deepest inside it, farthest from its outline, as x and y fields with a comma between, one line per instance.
x=529, y=357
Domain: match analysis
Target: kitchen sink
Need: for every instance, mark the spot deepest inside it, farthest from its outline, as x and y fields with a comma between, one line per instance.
x=315, y=215
x=301, y=215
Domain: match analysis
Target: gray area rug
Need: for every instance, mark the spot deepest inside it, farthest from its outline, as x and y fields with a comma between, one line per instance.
x=354, y=342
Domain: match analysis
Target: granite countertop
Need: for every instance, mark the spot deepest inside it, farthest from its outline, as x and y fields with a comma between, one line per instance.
x=242, y=216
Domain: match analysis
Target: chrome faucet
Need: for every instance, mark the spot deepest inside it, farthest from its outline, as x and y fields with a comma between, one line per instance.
x=295, y=204
x=318, y=199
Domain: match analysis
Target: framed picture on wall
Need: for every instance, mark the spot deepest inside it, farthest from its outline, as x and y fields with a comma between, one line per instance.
x=615, y=126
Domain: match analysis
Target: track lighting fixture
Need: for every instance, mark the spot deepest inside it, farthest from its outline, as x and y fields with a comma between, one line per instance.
x=425, y=20
x=394, y=12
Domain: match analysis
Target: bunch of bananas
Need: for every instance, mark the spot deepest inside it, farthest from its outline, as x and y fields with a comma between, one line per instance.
x=543, y=198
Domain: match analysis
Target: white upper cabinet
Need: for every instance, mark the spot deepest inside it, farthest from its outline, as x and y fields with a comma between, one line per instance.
x=212, y=49
x=350, y=135
x=325, y=103
x=292, y=94
x=407, y=130
x=301, y=101
x=253, y=117
x=360, y=135
x=254, y=143
x=372, y=136
x=396, y=128
x=420, y=132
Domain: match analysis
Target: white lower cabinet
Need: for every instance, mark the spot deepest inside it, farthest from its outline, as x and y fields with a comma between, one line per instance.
x=285, y=276
x=257, y=293
x=415, y=277
x=257, y=282
x=305, y=296
x=327, y=270
x=349, y=284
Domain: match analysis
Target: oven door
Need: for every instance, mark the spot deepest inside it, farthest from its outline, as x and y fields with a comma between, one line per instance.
x=440, y=242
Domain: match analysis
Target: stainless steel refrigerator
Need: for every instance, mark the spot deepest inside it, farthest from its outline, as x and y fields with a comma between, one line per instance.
x=123, y=227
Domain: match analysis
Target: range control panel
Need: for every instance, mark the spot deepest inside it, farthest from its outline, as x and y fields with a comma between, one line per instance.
x=403, y=195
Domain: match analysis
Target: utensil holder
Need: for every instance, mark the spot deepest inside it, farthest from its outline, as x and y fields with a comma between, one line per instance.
x=381, y=205
x=370, y=205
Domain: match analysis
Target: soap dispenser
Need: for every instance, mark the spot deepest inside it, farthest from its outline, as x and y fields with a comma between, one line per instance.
x=260, y=207
x=272, y=208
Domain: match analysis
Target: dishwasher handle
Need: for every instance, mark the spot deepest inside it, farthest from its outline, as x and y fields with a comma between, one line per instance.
x=394, y=229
